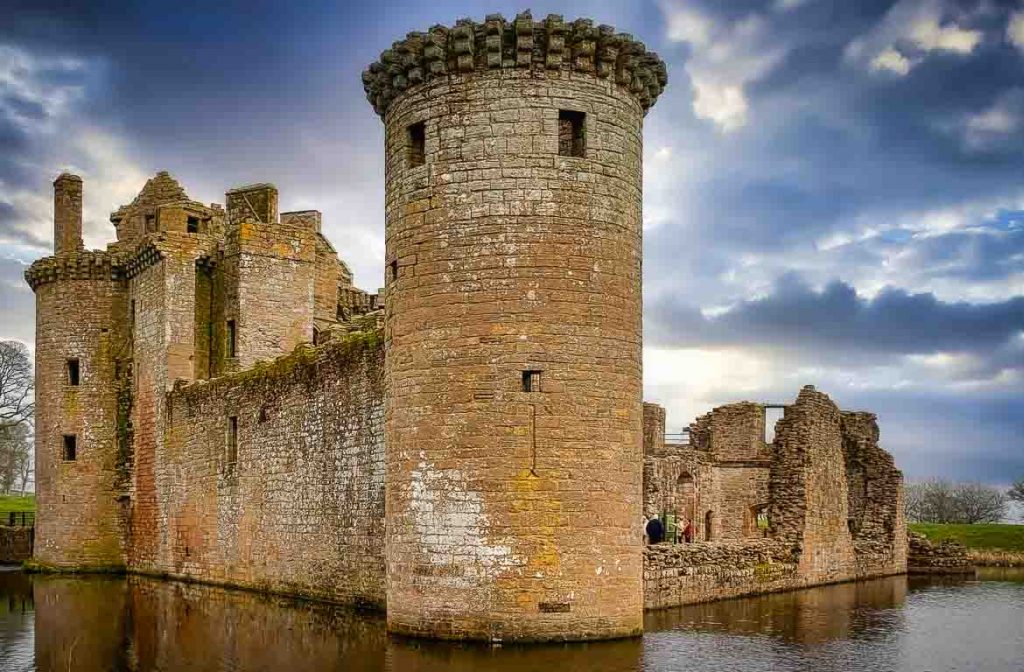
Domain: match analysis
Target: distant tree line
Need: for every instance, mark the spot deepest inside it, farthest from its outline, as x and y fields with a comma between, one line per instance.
x=942, y=501
x=17, y=405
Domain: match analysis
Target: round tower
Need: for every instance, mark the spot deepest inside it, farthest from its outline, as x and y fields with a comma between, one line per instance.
x=513, y=325
x=77, y=458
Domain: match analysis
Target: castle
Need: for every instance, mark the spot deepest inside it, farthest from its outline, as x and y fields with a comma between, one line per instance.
x=467, y=449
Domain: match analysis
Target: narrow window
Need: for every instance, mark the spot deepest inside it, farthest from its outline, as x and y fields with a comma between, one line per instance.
x=417, y=144
x=531, y=381
x=192, y=225
x=572, y=135
x=232, y=338
x=70, y=447
x=232, y=439
x=73, y=372
x=394, y=269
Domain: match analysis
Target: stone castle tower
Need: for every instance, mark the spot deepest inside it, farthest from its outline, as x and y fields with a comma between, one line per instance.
x=513, y=415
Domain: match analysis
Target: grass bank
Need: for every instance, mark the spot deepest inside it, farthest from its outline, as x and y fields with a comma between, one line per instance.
x=17, y=503
x=983, y=536
x=989, y=544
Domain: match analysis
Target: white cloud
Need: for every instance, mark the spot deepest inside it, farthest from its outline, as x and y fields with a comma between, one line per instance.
x=911, y=30
x=891, y=60
x=990, y=128
x=1015, y=29
x=725, y=57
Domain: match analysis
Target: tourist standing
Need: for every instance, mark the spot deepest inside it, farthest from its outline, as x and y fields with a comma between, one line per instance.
x=655, y=531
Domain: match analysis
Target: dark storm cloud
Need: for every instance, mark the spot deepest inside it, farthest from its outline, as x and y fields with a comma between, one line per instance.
x=836, y=319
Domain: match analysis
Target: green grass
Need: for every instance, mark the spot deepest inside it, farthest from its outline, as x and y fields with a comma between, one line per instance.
x=16, y=503
x=979, y=536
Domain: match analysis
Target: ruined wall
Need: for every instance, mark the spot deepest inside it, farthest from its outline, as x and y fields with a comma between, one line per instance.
x=718, y=484
x=875, y=498
x=513, y=514
x=301, y=509
x=15, y=544
x=677, y=574
x=809, y=504
x=78, y=300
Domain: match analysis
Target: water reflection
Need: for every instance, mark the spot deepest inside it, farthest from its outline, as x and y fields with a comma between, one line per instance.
x=116, y=623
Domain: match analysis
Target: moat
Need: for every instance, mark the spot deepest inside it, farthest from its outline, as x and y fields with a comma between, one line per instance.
x=902, y=624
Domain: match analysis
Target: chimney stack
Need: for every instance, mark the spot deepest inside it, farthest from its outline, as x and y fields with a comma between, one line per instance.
x=67, y=214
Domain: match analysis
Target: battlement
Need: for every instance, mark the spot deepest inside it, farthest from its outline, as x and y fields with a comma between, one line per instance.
x=81, y=265
x=551, y=44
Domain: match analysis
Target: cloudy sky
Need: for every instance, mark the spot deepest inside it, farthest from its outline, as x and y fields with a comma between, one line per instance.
x=834, y=189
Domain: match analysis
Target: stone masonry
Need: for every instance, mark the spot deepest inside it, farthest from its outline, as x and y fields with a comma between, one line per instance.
x=821, y=503
x=467, y=450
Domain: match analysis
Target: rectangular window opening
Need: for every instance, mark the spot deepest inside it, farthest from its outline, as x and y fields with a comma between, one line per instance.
x=572, y=136
x=531, y=381
x=232, y=339
x=232, y=440
x=394, y=270
x=70, y=451
x=417, y=144
x=192, y=225
x=73, y=372
x=150, y=223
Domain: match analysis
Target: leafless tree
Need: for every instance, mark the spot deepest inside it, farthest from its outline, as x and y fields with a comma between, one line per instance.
x=941, y=501
x=1016, y=491
x=979, y=503
x=15, y=457
x=17, y=384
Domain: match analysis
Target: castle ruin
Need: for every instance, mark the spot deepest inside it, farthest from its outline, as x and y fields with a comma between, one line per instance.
x=467, y=449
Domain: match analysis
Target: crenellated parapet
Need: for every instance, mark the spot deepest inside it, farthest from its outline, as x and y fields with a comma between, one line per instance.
x=82, y=265
x=551, y=44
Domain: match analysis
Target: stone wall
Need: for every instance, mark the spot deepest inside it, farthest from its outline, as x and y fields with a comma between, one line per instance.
x=676, y=574
x=300, y=510
x=809, y=506
x=15, y=544
x=946, y=557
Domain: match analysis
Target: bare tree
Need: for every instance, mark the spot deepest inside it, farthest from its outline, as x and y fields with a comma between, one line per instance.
x=1016, y=491
x=15, y=457
x=941, y=501
x=978, y=503
x=931, y=501
x=17, y=384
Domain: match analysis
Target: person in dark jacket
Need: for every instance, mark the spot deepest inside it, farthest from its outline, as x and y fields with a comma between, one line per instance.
x=655, y=531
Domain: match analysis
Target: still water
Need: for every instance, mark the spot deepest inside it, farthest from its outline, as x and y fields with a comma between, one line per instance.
x=116, y=623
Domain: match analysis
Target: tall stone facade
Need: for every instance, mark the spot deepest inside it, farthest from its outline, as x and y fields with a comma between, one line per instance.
x=513, y=328
x=125, y=338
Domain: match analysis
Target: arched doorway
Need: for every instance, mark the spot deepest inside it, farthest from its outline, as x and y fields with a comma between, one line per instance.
x=709, y=520
x=685, y=498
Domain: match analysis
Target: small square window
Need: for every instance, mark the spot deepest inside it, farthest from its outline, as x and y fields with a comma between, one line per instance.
x=572, y=134
x=73, y=372
x=232, y=336
x=192, y=225
x=70, y=448
x=232, y=457
x=531, y=381
x=417, y=144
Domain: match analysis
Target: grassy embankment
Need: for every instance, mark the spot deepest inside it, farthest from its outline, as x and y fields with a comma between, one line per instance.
x=990, y=544
x=17, y=503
